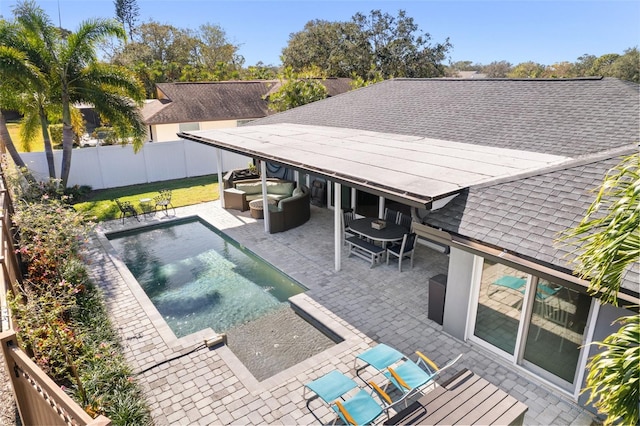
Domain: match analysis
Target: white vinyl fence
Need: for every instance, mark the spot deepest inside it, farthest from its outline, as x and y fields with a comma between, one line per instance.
x=112, y=166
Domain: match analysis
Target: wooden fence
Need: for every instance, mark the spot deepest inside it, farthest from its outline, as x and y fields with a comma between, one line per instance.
x=39, y=400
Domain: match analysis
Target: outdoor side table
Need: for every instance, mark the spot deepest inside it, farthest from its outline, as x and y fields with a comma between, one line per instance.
x=256, y=208
x=145, y=206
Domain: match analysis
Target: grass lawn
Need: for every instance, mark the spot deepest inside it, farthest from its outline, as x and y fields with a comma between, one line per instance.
x=36, y=146
x=185, y=192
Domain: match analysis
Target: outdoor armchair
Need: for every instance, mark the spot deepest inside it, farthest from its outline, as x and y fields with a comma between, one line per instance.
x=126, y=208
x=163, y=201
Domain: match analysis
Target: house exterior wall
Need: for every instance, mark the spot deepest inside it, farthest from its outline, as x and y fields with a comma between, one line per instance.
x=604, y=327
x=458, y=293
x=167, y=132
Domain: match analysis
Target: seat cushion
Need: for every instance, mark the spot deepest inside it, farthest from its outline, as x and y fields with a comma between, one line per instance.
x=250, y=187
x=280, y=188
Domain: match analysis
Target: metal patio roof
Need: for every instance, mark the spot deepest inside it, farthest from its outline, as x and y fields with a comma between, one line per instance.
x=409, y=169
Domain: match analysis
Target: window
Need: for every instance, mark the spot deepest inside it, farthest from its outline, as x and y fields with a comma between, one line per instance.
x=536, y=323
x=189, y=127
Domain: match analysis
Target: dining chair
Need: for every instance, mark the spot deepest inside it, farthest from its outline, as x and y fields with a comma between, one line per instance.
x=390, y=215
x=347, y=217
x=403, y=250
x=404, y=220
x=556, y=320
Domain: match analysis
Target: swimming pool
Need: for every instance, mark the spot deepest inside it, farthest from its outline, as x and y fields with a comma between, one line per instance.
x=197, y=277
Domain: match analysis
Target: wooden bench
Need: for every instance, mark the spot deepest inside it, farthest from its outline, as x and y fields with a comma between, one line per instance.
x=364, y=250
x=465, y=399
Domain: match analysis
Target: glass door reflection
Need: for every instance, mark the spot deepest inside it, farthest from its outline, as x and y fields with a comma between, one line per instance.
x=556, y=330
x=500, y=305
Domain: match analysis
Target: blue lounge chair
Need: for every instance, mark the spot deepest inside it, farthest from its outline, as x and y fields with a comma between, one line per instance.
x=406, y=375
x=507, y=281
x=353, y=405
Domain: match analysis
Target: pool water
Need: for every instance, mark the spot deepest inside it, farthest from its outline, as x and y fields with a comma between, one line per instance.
x=197, y=277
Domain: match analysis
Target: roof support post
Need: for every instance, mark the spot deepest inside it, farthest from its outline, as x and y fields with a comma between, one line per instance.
x=220, y=181
x=265, y=200
x=337, y=224
x=354, y=197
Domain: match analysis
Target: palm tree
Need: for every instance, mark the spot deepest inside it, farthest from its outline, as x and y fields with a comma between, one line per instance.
x=14, y=69
x=35, y=98
x=608, y=239
x=76, y=76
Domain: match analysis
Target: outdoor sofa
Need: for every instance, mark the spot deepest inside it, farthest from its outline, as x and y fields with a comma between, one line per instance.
x=290, y=205
x=244, y=191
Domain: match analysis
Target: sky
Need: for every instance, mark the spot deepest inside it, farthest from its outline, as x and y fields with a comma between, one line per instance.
x=481, y=31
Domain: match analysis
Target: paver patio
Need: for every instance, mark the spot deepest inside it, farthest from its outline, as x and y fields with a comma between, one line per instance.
x=371, y=305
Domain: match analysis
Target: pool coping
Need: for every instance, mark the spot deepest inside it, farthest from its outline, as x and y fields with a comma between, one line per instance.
x=216, y=341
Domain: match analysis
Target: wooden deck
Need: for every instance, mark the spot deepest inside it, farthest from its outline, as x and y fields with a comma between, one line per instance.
x=465, y=399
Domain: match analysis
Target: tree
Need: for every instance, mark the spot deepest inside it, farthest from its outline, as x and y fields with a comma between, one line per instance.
x=584, y=64
x=78, y=77
x=627, y=66
x=338, y=48
x=560, y=70
x=13, y=66
x=127, y=12
x=602, y=66
x=295, y=91
x=527, y=70
x=17, y=73
x=497, y=69
x=399, y=48
x=609, y=242
x=33, y=96
x=260, y=71
x=378, y=42
x=164, y=53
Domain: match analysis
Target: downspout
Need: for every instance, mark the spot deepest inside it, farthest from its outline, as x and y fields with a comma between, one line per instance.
x=337, y=225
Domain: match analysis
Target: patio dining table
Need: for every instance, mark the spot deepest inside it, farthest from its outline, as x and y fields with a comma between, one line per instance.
x=390, y=233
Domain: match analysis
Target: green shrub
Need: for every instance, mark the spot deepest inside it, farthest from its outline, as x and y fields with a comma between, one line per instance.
x=61, y=316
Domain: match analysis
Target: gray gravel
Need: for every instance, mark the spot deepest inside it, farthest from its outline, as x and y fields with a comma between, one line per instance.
x=8, y=411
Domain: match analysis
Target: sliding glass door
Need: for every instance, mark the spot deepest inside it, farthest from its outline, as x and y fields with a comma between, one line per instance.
x=535, y=323
x=500, y=306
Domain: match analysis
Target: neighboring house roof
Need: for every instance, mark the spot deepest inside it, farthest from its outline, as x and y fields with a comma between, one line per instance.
x=527, y=215
x=220, y=100
x=567, y=117
x=207, y=101
x=470, y=74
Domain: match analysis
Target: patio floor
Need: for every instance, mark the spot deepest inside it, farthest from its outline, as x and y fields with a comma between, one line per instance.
x=368, y=305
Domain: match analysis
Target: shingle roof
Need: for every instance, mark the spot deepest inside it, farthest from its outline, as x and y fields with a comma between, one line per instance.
x=527, y=215
x=209, y=101
x=589, y=120
x=221, y=100
x=569, y=117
